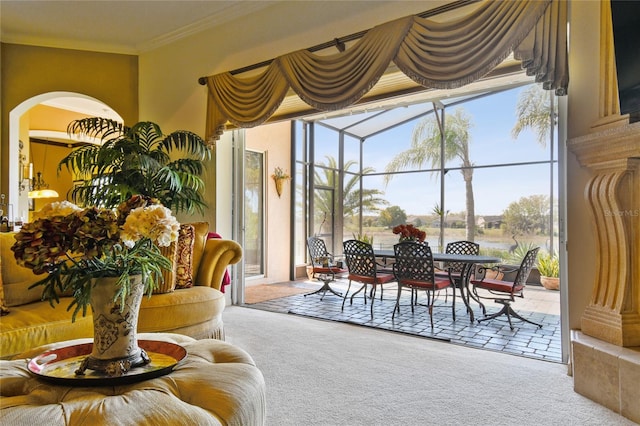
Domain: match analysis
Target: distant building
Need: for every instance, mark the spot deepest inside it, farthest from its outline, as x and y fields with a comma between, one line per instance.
x=489, y=222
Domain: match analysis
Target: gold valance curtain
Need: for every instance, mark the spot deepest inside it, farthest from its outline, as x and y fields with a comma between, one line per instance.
x=441, y=55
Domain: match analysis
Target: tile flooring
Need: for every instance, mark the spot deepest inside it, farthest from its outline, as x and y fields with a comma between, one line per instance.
x=539, y=305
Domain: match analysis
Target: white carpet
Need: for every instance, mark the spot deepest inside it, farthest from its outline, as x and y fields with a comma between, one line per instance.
x=329, y=373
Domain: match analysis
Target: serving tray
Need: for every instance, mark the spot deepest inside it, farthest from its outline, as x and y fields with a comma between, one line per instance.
x=59, y=365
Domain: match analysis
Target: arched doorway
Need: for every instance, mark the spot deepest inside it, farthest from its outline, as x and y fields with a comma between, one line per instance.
x=58, y=109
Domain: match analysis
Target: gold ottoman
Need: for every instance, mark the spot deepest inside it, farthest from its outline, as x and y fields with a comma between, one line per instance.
x=216, y=384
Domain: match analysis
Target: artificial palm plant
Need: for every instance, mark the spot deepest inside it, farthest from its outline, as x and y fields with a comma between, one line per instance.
x=136, y=160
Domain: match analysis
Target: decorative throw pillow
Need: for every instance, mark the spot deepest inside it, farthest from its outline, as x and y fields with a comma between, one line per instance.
x=184, y=256
x=169, y=276
x=3, y=309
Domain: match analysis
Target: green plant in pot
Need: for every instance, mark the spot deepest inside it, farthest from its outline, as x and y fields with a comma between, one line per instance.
x=136, y=160
x=549, y=268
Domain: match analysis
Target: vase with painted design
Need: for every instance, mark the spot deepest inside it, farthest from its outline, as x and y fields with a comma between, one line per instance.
x=115, y=344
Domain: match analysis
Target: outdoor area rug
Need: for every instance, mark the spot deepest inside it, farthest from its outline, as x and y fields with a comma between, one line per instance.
x=525, y=340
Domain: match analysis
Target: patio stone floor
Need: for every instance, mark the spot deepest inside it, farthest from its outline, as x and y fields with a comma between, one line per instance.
x=539, y=305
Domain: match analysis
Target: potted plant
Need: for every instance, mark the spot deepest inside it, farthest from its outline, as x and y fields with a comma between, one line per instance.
x=549, y=268
x=136, y=160
x=104, y=258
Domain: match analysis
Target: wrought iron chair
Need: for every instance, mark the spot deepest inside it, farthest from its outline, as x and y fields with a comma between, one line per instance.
x=323, y=266
x=414, y=270
x=362, y=267
x=453, y=270
x=506, y=289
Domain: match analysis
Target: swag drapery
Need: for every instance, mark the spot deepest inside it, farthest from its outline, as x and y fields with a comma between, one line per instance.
x=442, y=55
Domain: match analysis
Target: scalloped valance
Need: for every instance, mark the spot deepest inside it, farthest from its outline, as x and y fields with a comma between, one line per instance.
x=442, y=55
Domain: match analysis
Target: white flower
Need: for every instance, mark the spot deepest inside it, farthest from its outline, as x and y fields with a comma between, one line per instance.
x=58, y=208
x=154, y=222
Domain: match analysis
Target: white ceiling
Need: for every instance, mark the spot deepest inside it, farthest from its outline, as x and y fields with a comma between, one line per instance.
x=115, y=26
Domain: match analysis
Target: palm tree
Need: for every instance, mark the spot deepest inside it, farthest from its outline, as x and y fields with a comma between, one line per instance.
x=136, y=160
x=534, y=111
x=425, y=150
x=371, y=200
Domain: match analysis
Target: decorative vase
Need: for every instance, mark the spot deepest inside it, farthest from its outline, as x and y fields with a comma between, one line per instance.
x=115, y=343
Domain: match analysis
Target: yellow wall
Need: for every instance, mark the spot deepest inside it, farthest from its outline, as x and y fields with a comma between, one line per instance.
x=44, y=117
x=28, y=71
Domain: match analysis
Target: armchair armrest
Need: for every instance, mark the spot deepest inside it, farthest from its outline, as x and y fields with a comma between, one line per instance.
x=218, y=254
x=498, y=270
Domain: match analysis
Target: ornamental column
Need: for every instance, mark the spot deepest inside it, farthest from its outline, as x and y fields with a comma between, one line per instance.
x=613, y=195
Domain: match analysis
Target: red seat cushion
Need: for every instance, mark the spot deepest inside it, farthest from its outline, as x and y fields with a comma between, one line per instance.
x=497, y=285
x=328, y=270
x=438, y=285
x=380, y=278
x=454, y=275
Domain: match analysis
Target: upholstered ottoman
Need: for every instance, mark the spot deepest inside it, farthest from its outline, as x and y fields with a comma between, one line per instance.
x=216, y=384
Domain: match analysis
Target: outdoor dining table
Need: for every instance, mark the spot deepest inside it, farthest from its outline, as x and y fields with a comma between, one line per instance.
x=469, y=261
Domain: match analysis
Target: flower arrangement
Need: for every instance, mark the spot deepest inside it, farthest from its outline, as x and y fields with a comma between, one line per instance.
x=409, y=232
x=73, y=246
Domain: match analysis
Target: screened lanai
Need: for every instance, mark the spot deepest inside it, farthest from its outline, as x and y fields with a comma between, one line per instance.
x=510, y=185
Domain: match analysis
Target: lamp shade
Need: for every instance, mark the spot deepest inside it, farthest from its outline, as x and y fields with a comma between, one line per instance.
x=43, y=193
x=40, y=189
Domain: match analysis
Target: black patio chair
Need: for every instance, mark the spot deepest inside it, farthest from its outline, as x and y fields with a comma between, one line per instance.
x=414, y=270
x=324, y=266
x=453, y=270
x=362, y=267
x=505, y=292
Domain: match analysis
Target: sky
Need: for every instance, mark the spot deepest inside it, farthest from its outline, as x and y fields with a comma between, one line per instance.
x=491, y=142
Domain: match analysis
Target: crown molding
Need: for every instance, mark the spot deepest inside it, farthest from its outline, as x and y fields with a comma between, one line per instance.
x=227, y=14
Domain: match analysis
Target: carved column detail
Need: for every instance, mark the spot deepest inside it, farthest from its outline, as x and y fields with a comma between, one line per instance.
x=612, y=314
x=613, y=195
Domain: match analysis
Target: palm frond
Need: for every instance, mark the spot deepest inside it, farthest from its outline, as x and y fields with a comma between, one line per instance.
x=188, y=142
x=137, y=160
x=96, y=127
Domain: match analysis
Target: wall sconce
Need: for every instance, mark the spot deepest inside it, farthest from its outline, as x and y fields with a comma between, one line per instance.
x=279, y=176
x=40, y=189
x=25, y=172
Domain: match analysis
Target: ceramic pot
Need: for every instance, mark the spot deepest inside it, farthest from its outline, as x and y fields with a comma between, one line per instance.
x=550, y=283
x=115, y=343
